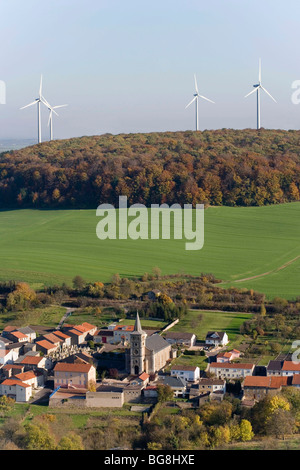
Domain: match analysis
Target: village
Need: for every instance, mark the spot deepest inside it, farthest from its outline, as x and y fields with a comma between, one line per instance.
x=65, y=367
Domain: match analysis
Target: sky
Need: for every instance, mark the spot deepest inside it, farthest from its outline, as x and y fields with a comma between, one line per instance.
x=128, y=66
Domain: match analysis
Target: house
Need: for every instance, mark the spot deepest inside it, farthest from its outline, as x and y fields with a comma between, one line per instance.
x=142, y=379
x=228, y=356
x=257, y=387
x=45, y=346
x=79, y=358
x=8, y=356
x=181, y=338
x=224, y=357
x=17, y=337
x=154, y=294
x=66, y=339
x=74, y=375
x=296, y=381
x=33, y=362
x=187, y=373
x=216, y=338
x=274, y=368
x=19, y=391
x=207, y=389
x=104, y=336
x=33, y=378
x=11, y=369
x=122, y=333
x=53, y=338
x=29, y=332
x=231, y=370
x=90, y=329
x=212, y=385
x=150, y=391
x=80, y=333
x=177, y=384
x=290, y=368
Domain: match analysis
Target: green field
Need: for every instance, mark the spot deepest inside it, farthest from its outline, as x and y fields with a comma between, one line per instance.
x=240, y=243
x=212, y=321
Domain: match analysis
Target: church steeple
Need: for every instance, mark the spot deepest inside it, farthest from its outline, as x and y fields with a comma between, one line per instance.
x=137, y=324
x=137, y=348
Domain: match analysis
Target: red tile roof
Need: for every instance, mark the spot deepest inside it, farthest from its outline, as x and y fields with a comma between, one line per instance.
x=265, y=382
x=290, y=366
x=18, y=334
x=60, y=334
x=15, y=382
x=76, y=332
x=25, y=376
x=31, y=360
x=46, y=345
x=256, y=381
x=144, y=376
x=67, y=367
x=296, y=379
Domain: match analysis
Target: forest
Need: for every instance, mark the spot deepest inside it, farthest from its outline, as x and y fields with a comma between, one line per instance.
x=220, y=167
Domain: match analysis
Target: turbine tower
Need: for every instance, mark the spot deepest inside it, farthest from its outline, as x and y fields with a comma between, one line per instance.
x=38, y=102
x=196, y=98
x=51, y=111
x=257, y=89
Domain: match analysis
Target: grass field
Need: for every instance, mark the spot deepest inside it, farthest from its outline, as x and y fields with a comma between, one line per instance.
x=211, y=321
x=253, y=247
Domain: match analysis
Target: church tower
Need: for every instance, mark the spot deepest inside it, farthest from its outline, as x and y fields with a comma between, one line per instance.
x=137, y=348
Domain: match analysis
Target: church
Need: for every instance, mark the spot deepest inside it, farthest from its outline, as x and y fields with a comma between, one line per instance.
x=146, y=353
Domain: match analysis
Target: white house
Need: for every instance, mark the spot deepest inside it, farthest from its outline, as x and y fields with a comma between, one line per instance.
x=216, y=338
x=19, y=391
x=187, y=373
x=290, y=368
x=8, y=356
x=181, y=338
x=231, y=370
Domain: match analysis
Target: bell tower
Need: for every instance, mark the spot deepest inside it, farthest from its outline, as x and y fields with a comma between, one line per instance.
x=137, y=348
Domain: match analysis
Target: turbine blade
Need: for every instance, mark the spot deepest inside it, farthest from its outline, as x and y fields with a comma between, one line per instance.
x=30, y=104
x=190, y=102
x=41, y=83
x=45, y=102
x=253, y=91
x=60, y=106
x=50, y=117
x=203, y=97
x=196, y=86
x=268, y=94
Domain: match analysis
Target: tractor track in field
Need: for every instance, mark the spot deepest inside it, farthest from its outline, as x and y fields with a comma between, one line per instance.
x=288, y=263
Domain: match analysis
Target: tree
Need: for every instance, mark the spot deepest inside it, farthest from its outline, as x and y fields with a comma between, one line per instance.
x=22, y=297
x=280, y=423
x=164, y=393
x=246, y=433
x=92, y=386
x=78, y=283
x=70, y=442
x=38, y=437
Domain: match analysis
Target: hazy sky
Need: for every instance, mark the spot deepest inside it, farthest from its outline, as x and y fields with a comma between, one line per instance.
x=127, y=66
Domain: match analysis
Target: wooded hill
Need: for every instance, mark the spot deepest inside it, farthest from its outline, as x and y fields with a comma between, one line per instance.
x=222, y=167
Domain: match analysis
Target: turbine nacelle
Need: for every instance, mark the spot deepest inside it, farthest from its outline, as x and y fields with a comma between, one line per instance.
x=196, y=97
x=257, y=89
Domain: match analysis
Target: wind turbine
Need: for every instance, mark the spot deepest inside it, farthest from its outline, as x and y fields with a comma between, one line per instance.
x=51, y=111
x=257, y=89
x=196, y=98
x=38, y=102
